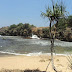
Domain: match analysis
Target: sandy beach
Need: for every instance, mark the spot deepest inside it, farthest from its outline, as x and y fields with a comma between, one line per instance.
x=34, y=62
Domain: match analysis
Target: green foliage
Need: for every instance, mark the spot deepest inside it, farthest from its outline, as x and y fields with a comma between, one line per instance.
x=57, y=12
x=20, y=24
x=64, y=29
x=62, y=24
x=70, y=21
x=32, y=26
x=19, y=30
x=39, y=33
x=54, y=13
x=12, y=26
x=45, y=32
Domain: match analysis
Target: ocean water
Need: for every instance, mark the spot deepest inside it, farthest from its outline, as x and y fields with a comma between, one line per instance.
x=14, y=45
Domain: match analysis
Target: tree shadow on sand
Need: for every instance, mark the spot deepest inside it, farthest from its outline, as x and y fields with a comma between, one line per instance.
x=17, y=70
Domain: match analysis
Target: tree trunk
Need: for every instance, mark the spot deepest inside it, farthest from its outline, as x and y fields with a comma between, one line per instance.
x=52, y=48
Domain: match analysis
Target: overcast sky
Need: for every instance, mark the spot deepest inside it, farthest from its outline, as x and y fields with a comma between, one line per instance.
x=26, y=11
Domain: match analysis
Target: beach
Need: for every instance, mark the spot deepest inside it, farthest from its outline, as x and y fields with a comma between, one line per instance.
x=34, y=62
x=22, y=54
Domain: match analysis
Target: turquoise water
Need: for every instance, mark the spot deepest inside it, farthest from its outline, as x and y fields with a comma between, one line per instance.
x=14, y=45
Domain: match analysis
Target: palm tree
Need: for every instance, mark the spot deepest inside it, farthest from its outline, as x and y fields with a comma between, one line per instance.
x=53, y=14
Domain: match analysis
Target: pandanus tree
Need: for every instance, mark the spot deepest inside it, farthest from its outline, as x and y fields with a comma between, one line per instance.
x=53, y=14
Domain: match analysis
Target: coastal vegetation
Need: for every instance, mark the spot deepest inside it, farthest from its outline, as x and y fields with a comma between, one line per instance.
x=17, y=30
x=63, y=30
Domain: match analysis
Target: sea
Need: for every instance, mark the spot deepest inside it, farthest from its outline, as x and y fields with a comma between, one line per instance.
x=16, y=45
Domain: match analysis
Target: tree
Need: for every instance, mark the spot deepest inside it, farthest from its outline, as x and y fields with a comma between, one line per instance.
x=62, y=24
x=70, y=21
x=12, y=26
x=45, y=32
x=20, y=24
x=53, y=16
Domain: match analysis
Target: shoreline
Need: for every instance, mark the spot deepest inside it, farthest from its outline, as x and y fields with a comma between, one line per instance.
x=32, y=38
x=2, y=53
x=34, y=62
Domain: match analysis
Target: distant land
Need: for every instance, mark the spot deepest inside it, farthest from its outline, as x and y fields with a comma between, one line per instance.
x=62, y=32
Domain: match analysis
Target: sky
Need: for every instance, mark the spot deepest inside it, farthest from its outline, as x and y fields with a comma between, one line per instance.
x=26, y=11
